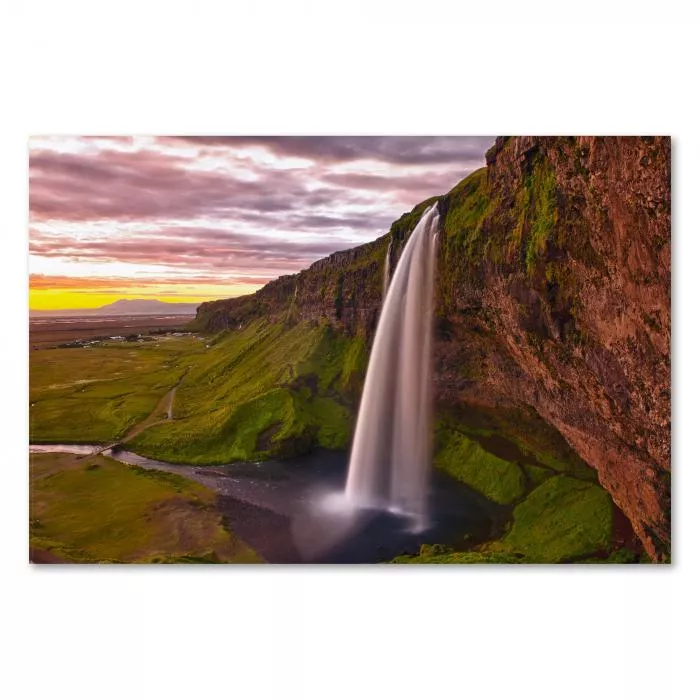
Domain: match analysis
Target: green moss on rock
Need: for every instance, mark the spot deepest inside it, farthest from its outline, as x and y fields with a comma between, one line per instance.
x=564, y=519
x=465, y=460
x=540, y=210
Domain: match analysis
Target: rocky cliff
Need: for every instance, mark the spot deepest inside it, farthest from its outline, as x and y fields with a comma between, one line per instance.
x=553, y=307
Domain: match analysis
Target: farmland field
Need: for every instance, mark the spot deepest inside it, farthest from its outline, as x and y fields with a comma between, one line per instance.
x=98, y=393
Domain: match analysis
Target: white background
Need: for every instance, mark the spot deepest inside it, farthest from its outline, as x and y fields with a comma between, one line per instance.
x=361, y=67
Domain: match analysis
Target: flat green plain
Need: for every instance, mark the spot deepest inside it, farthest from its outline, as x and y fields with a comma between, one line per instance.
x=94, y=509
x=98, y=393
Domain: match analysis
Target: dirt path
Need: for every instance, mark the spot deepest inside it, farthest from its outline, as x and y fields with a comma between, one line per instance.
x=165, y=406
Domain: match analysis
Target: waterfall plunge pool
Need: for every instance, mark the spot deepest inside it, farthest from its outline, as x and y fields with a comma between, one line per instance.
x=294, y=510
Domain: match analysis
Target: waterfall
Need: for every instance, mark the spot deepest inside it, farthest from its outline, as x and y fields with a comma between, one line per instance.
x=391, y=451
x=387, y=269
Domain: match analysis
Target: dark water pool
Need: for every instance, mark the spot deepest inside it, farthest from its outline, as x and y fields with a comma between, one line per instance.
x=290, y=511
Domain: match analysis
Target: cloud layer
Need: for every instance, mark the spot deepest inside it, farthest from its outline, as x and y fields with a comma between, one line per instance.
x=230, y=209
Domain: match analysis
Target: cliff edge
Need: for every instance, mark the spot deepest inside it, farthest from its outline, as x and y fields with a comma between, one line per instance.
x=553, y=306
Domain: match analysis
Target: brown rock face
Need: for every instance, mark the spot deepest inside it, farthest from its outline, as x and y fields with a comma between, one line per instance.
x=568, y=308
x=553, y=300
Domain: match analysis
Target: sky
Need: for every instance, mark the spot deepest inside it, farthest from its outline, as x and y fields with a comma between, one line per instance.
x=188, y=219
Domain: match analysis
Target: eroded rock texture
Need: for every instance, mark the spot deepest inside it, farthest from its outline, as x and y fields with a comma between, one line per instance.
x=553, y=303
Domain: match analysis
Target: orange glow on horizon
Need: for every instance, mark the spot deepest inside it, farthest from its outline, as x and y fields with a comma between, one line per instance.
x=70, y=297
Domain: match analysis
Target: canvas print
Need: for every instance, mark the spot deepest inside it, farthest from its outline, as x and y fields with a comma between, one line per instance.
x=351, y=349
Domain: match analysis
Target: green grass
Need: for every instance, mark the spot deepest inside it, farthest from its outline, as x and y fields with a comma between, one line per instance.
x=97, y=394
x=95, y=509
x=451, y=557
x=483, y=226
x=469, y=202
x=268, y=389
x=337, y=360
x=521, y=434
x=464, y=239
x=619, y=556
x=537, y=475
x=326, y=419
x=465, y=460
x=563, y=519
x=264, y=390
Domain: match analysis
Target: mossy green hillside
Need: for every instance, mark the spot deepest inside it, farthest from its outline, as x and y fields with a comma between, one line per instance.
x=337, y=363
x=263, y=390
x=464, y=459
x=466, y=205
x=404, y=225
x=559, y=511
x=563, y=519
x=482, y=226
x=95, y=509
x=513, y=435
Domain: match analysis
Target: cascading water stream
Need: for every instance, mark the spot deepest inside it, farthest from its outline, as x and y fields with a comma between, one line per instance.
x=387, y=271
x=391, y=451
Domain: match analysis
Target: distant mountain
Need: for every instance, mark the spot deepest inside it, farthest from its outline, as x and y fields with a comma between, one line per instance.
x=127, y=307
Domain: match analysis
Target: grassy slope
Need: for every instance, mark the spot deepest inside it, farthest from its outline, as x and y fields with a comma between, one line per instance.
x=556, y=517
x=97, y=510
x=563, y=519
x=261, y=391
x=264, y=390
x=475, y=232
x=497, y=479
